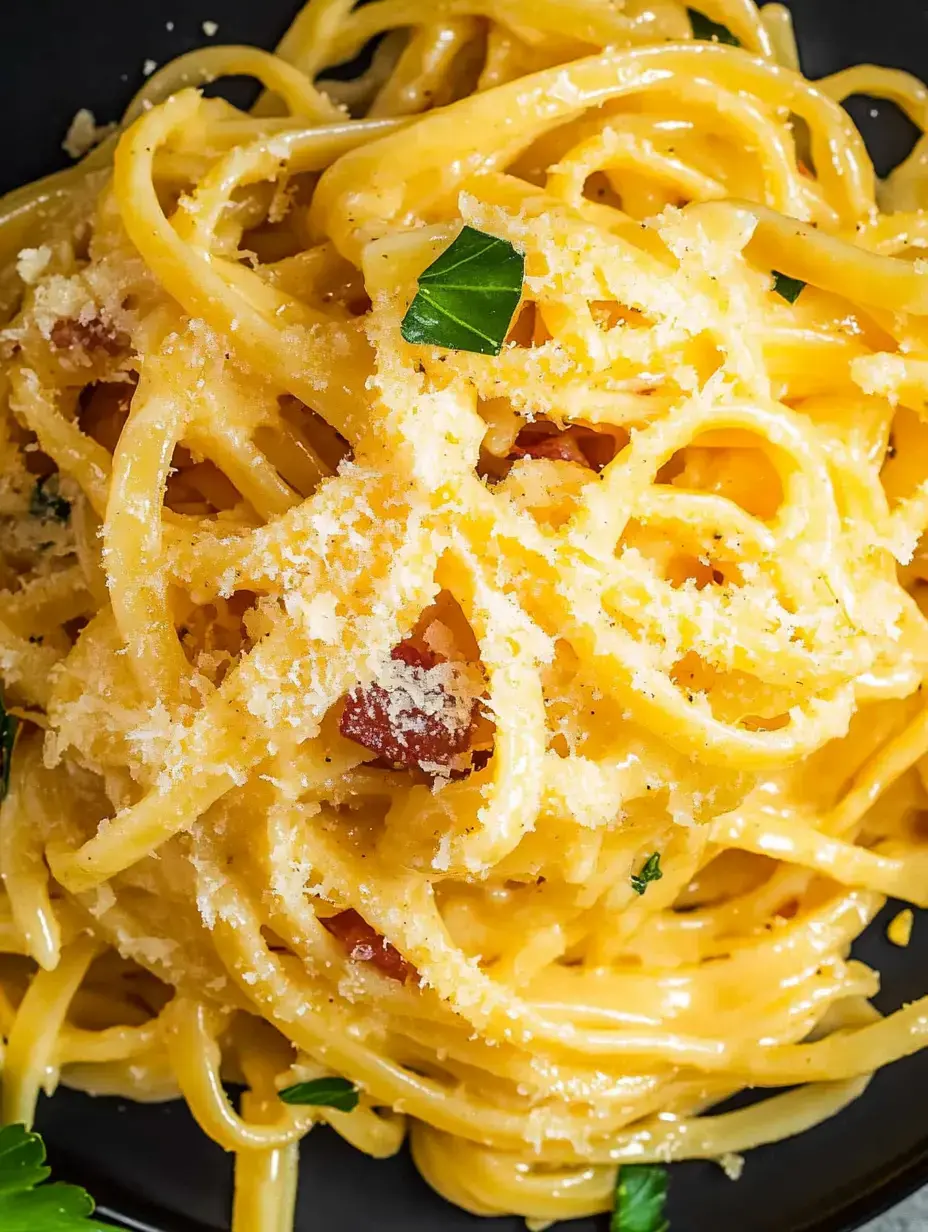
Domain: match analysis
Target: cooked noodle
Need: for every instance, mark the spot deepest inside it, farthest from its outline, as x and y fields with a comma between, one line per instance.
x=707, y=649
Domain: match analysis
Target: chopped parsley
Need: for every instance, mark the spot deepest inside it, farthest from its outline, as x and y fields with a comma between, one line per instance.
x=640, y=1198
x=789, y=288
x=467, y=297
x=711, y=31
x=650, y=871
x=336, y=1093
x=9, y=725
x=47, y=502
x=27, y=1204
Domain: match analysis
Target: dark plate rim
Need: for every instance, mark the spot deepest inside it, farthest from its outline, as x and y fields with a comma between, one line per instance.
x=876, y=1199
x=115, y=1202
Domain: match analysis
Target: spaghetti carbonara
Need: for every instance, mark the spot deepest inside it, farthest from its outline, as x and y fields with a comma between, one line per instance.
x=498, y=742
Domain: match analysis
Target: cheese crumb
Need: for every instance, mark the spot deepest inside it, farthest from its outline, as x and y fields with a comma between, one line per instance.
x=84, y=133
x=32, y=263
x=899, y=931
x=209, y=28
x=732, y=1165
x=149, y=67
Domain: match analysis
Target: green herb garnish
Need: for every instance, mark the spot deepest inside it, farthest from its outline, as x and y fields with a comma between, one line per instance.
x=789, y=288
x=650, y=871
x=29, y=1205
x=9, y=725
x=712, y=31
x=640, y=1197
x=47, y=502
x=324, y=1092
x=468, y=296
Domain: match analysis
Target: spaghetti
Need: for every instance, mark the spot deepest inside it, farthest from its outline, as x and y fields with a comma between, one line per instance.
x=524, y=738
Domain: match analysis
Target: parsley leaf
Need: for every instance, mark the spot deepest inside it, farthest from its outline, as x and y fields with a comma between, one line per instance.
x=336, y=1093
x=47, y=502
x=650, y=871
x=467, y=297
x=26, y=1204
x=22, y=1159
x=712, y=31
x=9, y=725
x=789, y=288
x=640, y=1195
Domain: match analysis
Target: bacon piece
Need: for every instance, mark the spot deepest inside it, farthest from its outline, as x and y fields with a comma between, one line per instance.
x=365, y=944
x=93, y=335
x=594, y=450
x=418, y=724
x=359, y=305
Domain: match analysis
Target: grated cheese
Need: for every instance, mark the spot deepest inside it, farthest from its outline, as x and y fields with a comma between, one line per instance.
x=84, y=133
x=32, y=263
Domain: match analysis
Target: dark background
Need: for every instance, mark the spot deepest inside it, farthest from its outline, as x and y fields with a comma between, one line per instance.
x=151, y=1163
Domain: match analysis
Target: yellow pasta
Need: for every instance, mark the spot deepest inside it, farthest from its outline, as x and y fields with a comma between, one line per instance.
x=661, y=560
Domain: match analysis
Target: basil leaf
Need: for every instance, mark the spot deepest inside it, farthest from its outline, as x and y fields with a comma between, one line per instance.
x=9, y=725
x=468, y=296
x=640, y=1197
x=324, y=1092
x=650, y=871
x=712, y=31
x=789, y=288
x=26, y=1204
x=47, y=502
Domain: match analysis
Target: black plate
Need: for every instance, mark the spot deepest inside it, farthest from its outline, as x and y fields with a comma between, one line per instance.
x=151, y=1165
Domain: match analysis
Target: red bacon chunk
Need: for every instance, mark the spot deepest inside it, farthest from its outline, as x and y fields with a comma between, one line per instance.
x=93, y=335
x=364, y=944
x=418, y=725
x=594, y=450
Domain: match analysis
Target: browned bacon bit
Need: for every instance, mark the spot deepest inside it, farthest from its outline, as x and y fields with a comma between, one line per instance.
x=594, y=450
x=416, y=722
x=93, y=335
x=359, y=305
x=365, y=944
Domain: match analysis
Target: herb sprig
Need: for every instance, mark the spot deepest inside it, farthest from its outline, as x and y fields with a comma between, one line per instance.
x=789, y=288
x=467, y=297
x=46, y=501
x=336, y=1093
x=27, y=1204
x=650, y=871
x=640, y=1199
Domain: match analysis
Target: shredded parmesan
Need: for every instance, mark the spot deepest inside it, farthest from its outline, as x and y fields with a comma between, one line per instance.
x=84, y=133
x=32, y=263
